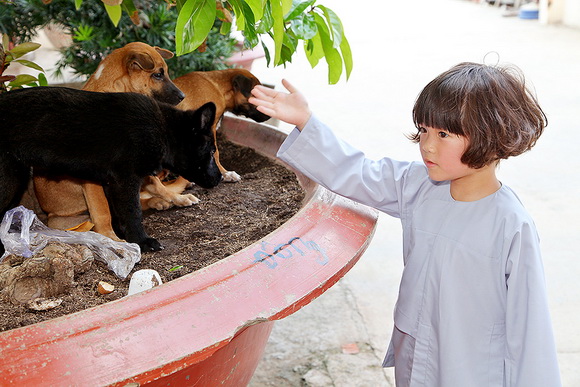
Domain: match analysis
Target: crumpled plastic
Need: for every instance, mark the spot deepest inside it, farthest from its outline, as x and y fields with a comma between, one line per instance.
x=22, y=233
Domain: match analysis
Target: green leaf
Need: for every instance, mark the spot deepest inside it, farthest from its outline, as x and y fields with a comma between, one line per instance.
x=257, y=7
x=250, y=34
x=240, y=19
x=225, y=28
x=335, y=25
x=266, y=53
x=193, y=25
x=22, y=79
x=84, y=33
x=277, y=29
x=304, y=26
x=42, y=79
x=30, y=64
x=23, y=49
x=174, y=268
x=288, y=48
x=313, y=50
x=346, y=56
x=5, y=41
x=331, y=54
x=130, y=9
x=78, y=4
x=267, y=21
x=298, y=8
x=115, y=12
x=286, y=6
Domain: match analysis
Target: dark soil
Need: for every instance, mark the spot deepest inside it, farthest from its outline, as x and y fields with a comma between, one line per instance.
x=228, y=218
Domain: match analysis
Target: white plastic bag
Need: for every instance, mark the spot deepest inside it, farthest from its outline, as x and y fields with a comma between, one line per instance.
x=23, y=234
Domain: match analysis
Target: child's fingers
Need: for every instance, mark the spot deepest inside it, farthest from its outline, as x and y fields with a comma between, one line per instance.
x=262, y=95
x=289, y=86
x=258, y=101
x=265, y=110
x=264, y=91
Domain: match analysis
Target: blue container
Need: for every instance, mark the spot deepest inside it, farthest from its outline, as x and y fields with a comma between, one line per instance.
x=528, y=13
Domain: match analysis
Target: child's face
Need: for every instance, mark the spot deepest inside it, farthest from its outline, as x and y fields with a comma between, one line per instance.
x=441, y=152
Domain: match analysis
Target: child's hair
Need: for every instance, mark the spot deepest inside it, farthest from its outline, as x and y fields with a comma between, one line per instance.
x=490, y=105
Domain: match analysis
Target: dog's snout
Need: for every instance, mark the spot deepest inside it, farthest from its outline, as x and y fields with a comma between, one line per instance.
x=180, y=95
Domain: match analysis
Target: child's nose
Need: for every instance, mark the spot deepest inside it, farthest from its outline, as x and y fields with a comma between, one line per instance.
x=426, y=143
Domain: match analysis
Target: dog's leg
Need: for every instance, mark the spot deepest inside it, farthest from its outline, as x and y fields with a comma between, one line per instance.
x=99, y=209
x=229, y=176
x=123, y=196
x=165, y=196
x=14, y=177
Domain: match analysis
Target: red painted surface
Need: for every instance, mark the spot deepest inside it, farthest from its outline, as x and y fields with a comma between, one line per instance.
x=209, y=327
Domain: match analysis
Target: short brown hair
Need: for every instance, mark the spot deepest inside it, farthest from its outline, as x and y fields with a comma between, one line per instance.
x=490, y=105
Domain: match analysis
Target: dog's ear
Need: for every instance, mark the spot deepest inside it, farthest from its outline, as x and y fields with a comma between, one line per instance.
x=206, y=115
x=243, y=84
x=165, y=54
x=137, y=60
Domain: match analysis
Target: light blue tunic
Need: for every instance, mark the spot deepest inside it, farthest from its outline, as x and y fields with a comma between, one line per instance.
x=472, y=307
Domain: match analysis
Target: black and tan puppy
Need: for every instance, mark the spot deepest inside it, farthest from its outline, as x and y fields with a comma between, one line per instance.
x=229, y=90
x=81, y=205
x=114, y=139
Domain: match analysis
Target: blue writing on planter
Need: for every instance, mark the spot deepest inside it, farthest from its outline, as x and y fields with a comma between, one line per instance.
x=295, y=247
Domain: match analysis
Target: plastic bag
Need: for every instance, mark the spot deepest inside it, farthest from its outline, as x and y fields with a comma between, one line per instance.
x=23, y=234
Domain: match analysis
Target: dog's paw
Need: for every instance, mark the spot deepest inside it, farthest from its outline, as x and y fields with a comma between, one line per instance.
x=231, y=177
x=159, y=204
x=150, y=244
x=185, y=200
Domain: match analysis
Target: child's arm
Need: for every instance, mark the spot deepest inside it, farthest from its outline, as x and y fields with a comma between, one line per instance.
x=531, y=350
x=289, y=107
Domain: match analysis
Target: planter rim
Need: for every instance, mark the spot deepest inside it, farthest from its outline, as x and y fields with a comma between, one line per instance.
x=149, y=335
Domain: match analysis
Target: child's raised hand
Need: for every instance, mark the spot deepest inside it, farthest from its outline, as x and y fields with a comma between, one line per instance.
x=289, y=107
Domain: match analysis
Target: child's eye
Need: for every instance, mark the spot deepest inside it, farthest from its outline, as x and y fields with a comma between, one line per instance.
x=443, y=134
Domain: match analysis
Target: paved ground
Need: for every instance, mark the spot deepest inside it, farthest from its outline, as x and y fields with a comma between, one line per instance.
x=398, y=47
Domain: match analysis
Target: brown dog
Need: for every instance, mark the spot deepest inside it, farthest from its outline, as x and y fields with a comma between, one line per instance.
x=229, y=90
x=136, y=67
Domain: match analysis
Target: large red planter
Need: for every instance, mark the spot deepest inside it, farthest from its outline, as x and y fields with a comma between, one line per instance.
x=207, y=328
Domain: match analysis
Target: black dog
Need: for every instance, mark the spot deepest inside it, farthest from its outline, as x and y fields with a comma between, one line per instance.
x=115, y=139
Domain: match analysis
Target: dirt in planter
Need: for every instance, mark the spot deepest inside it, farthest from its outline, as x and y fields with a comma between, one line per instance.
x=229, y=217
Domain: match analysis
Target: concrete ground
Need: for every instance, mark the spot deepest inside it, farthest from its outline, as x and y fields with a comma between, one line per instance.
x=398, y=48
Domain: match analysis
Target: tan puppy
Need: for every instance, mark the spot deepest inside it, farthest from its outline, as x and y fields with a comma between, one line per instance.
x=229, y=90
x=136, y=67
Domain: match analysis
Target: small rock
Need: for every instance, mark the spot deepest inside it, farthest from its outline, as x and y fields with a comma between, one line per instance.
x=350, y=348
x=44, y=303
x=143, y=280
x=105, y=287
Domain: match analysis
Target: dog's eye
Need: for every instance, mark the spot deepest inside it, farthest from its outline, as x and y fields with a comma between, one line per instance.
x=158, y=76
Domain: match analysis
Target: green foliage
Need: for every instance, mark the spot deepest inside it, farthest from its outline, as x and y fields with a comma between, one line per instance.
x=94, y=35
x=278, y=25
x=14, y=55
x=285, y=23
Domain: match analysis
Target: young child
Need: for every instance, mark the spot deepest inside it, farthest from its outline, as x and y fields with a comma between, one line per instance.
x=472, y=307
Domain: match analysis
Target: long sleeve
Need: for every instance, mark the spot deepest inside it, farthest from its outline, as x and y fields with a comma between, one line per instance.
x=531, y=350
x=336, y=165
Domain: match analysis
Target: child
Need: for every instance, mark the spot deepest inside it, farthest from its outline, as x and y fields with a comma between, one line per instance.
x=472, y=307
